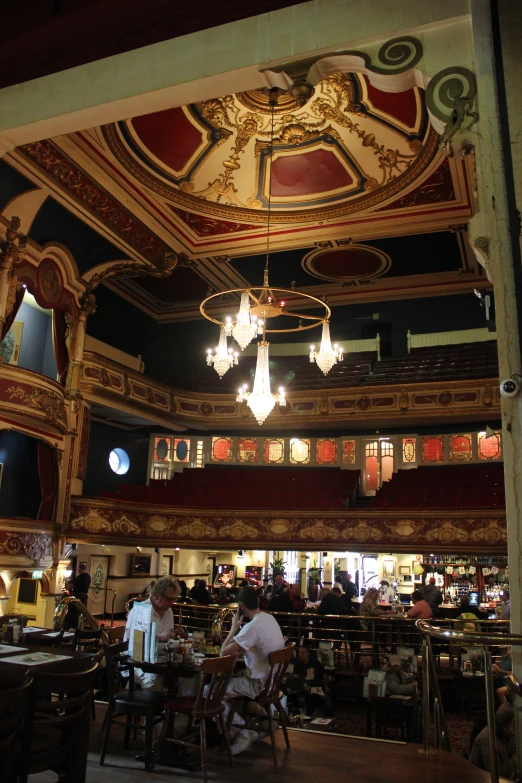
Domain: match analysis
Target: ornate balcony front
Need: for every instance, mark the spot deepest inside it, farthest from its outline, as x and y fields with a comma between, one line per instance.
x=108, y=383
x=27, y=395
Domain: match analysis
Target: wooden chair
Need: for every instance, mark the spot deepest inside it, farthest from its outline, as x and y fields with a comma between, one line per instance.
x=389, y=714
x=130, y=703
x=56, y=728
x=207, y=704
x=88, y=639
x=115, y=634
x=14, y=692
x=271, y=694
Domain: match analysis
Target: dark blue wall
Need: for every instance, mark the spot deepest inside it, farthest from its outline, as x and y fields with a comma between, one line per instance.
x=20, y=489
x=36, y=349
x=103, y=439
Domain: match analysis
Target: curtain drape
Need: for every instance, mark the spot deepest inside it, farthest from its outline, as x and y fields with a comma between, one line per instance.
x=48, y=473
x=12, y=315
x=60, y=346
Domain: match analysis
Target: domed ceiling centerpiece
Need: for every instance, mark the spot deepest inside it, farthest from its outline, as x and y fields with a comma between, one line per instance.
x=335, y=150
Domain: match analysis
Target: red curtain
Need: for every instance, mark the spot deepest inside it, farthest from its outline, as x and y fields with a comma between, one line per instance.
x=48, y=473
x=60, y=346
x=12, y=315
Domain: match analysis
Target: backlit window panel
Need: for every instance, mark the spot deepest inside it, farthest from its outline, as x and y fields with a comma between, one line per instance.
x=247, y=450
x=299, y=451
x=326, y=451
x=489, y=448
x=460, y=449
x=433, y=448
x=274, y=450
x=221, y=449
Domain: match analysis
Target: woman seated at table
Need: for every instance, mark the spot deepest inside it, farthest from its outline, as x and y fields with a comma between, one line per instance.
x=370, y=607
x=421, y=609
x=163, y=594
x=398, y=682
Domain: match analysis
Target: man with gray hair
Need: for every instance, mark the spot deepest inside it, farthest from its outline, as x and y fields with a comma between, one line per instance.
x=163, y=594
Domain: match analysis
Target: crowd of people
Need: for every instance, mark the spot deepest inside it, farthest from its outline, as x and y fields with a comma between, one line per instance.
x=255, y=633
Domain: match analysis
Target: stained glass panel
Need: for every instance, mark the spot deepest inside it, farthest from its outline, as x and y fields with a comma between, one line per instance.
x=489, y=448
x=247, y=450
x=348, y=452
x=221, y=449
x=460, y=448
x=274, y=450
x=409, y=450
x=433, y=448
x=181, y=450
x=326, y=451
x=299, y=451
x=162, y=448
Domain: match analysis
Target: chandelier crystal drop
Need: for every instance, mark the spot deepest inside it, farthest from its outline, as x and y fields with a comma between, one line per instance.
x=224, y=358
x=247, y=326
x=260, y=400
x=327, y=356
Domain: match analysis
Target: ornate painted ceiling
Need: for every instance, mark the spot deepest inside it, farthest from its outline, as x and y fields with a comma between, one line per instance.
x=352, y=169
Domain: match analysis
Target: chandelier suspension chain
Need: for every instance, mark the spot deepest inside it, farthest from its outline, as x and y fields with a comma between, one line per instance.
x=273, y=104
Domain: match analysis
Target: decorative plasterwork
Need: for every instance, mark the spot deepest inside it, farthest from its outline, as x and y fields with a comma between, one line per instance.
x=31, y=395
x=34, y=546
x=114, y=521
x=108, y=383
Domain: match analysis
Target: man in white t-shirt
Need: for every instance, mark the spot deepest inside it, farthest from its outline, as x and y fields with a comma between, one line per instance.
x=256, y=640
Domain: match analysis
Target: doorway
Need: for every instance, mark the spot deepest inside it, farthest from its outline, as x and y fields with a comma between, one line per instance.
x=379, y=456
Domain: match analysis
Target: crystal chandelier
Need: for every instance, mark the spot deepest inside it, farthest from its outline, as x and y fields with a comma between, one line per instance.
x=259, y=304
x=224, y=358
x=327, y=356
x=261, y=400
x=246, y=327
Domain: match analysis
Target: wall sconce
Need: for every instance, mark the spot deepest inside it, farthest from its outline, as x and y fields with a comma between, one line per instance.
x=67, y=573
x=138, y=549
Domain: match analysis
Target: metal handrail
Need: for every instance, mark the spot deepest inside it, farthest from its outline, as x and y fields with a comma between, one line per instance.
x=61, y=611
x=107, y=590
x=428, y=631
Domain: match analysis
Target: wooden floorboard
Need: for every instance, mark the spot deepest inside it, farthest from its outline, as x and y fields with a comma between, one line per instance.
x=313, y=758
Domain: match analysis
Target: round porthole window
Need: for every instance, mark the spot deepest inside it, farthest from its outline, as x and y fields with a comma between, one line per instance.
x=119, y=461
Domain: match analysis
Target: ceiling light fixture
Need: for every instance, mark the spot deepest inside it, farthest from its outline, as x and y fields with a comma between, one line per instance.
x=327, y=355
x=259, y=304
x=224, y=358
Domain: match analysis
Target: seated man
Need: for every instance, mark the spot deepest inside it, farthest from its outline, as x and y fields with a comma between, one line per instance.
x=308, y=678
x=505, y=747
x=421, y=609
x=256, y=639
x=163, y=594
x=397, y=681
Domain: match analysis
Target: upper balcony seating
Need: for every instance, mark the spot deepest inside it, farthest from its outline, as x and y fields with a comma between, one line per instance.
x=237, y=487
x=295, y=373
x=459, y=486
x=438, y=363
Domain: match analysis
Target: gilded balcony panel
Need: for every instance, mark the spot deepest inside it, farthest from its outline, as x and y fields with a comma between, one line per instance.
x=25, y=394
x=109, y=383
x=398, y=531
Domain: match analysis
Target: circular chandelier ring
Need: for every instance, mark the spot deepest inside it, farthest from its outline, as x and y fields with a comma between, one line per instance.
x=317, y=320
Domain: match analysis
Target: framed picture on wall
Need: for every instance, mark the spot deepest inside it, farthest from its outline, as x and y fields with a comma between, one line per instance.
x=406, y=578
x=404, y=570
x=389, y=567
x=1, y=471
x=10, y=345
x=166, y=565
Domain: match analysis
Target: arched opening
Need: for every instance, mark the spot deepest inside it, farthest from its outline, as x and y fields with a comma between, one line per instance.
x=25, y=597
x=29, y=476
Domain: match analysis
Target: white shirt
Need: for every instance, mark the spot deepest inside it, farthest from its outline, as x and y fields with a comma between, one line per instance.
x=258, y=638
x=163, y=624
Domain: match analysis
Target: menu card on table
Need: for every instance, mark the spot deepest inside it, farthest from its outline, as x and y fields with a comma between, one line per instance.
x=142, y=639
x=37, y=658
